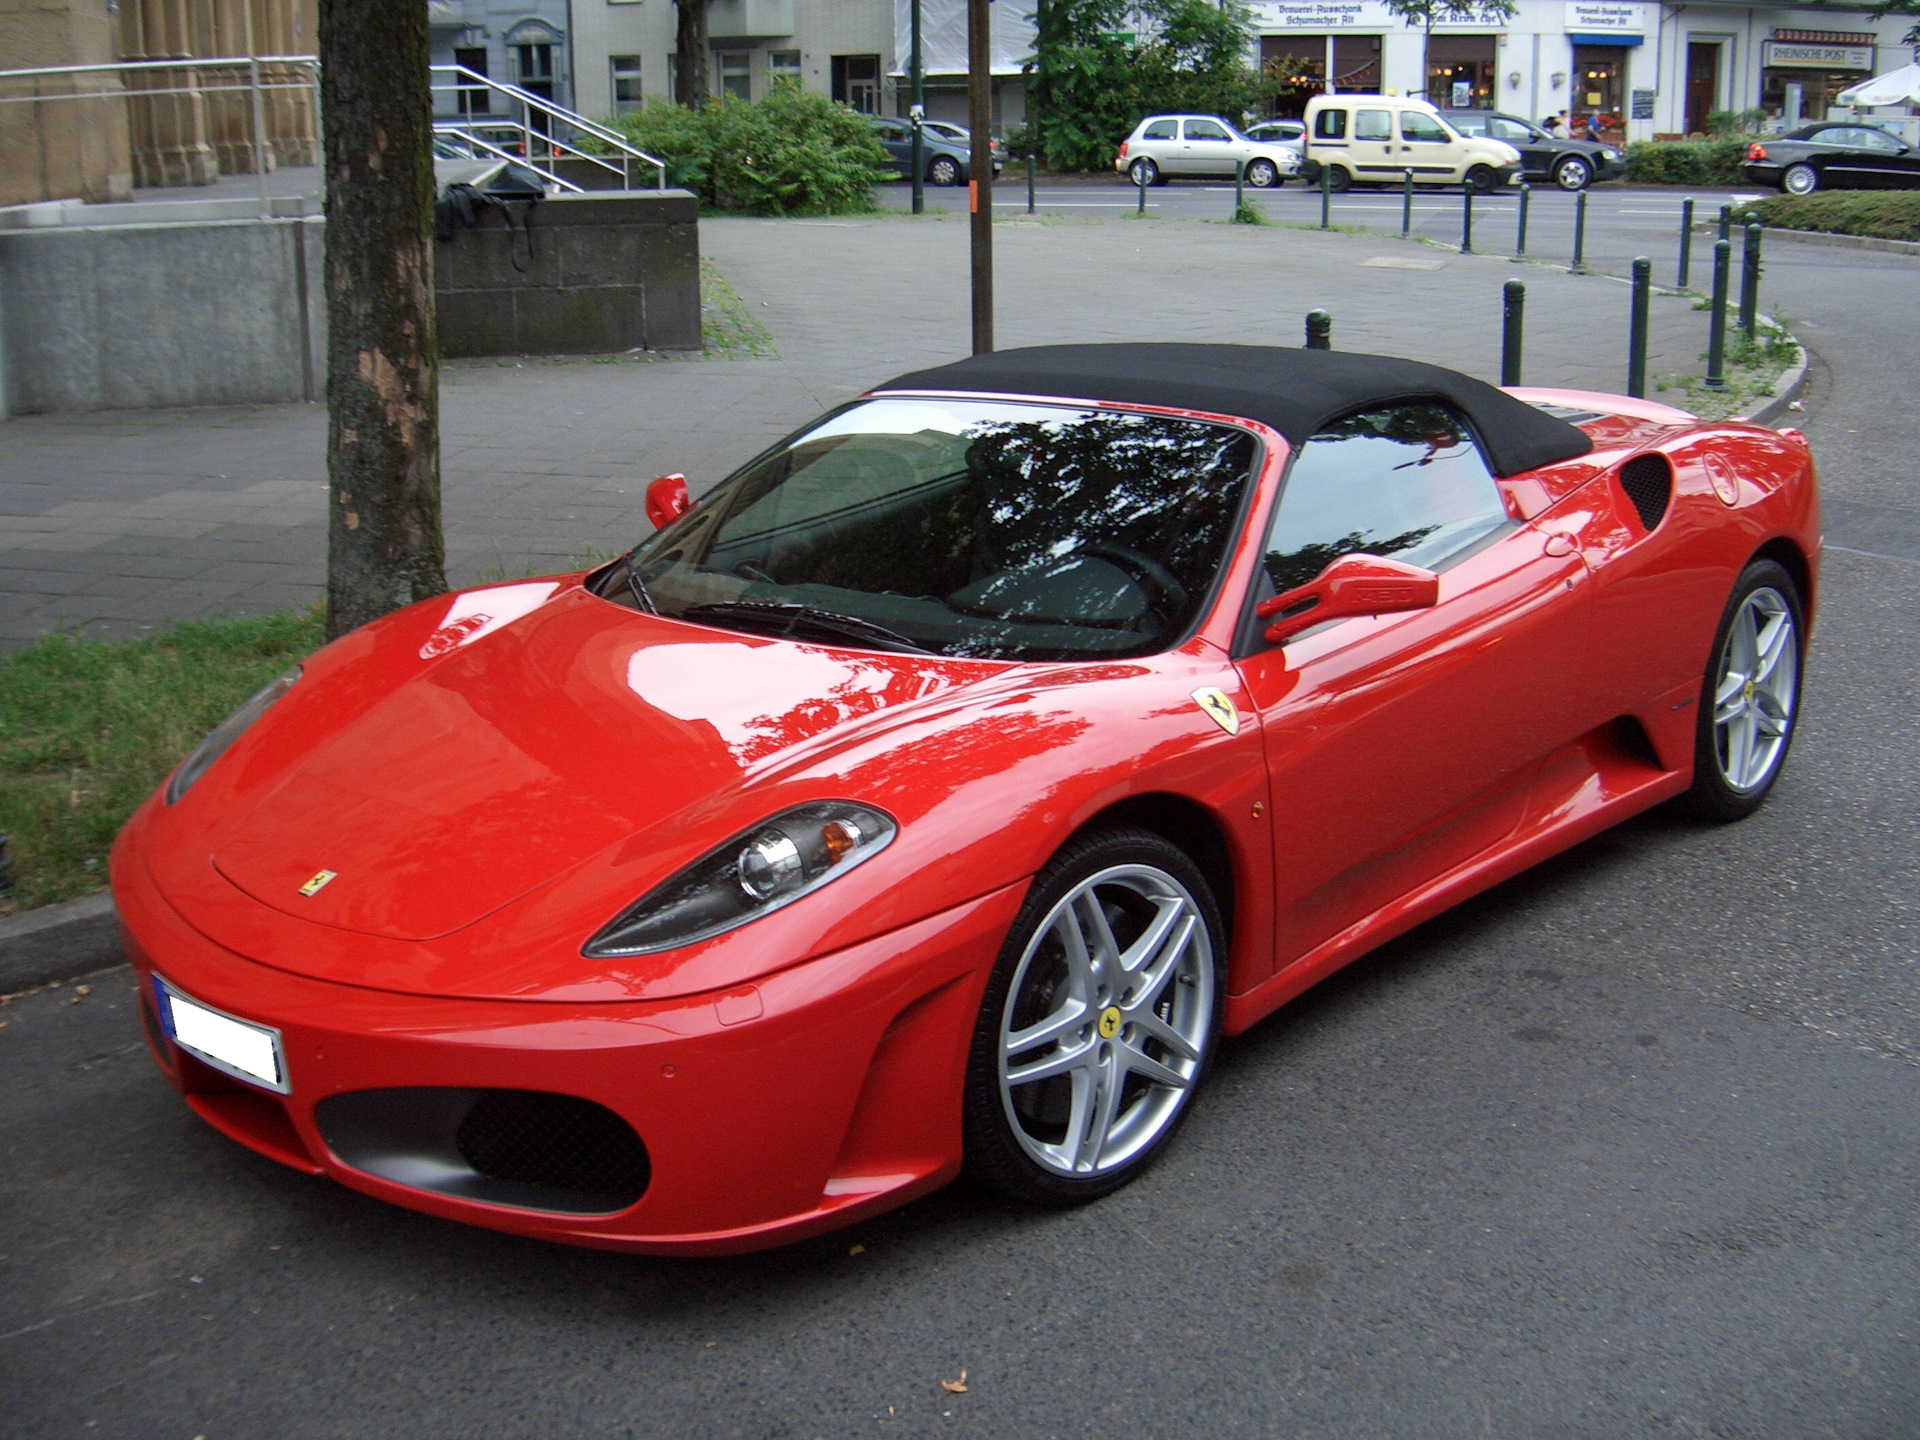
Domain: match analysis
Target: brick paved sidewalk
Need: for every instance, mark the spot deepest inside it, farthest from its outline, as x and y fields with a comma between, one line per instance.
x=113, y=523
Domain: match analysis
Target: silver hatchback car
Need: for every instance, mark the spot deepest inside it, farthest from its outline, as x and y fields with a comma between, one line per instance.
x=1164, y=147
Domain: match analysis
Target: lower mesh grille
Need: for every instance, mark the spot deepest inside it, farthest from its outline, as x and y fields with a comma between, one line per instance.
x=1648, y=481
x=535, y=1138
x=525, y=1148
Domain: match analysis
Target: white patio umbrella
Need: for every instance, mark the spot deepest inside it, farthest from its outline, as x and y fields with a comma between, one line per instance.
x=1896, y=87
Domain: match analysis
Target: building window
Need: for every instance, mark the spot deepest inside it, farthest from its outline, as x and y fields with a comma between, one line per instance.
x=783, y=65
x=474, y=99
x=856, y=82
x=1460, y=71
x=736, y=74
x=626, y=83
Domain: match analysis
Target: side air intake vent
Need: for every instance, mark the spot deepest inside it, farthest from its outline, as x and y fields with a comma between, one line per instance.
x=526, y=1148
x=1648, y=481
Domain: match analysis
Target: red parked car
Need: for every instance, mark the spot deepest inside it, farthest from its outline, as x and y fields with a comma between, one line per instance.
x=935, y=793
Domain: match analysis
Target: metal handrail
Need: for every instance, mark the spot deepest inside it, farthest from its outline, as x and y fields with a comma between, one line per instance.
x=183, y=62
x=446, y=128
x=465, y=79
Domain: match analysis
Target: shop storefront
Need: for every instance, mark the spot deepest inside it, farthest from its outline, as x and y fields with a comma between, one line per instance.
x=1328, y=44
x=1603, y=37
x=1803, y=71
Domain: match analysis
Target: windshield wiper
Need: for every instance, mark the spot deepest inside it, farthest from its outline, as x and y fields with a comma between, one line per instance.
x=784, y=618
x=639, y=588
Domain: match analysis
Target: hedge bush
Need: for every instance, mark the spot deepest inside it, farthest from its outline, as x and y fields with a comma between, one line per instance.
x=1686, y=162
x=794, y=153
x=1886, y=214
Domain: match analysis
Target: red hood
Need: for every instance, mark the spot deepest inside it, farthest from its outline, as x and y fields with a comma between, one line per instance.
x=530, y=748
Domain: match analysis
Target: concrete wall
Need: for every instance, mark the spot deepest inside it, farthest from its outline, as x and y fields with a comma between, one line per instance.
x=217, y=311
x=590, y=274
x=131, y=316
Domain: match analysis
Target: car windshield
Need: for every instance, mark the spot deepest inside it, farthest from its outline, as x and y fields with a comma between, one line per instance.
x=1001, y=530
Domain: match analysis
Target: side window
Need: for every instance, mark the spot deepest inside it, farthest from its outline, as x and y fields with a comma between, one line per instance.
x=1204, y=130
x=1877, y=141
x=1373, y=124
x=1832, y=135
x=1330, y=125
x=1503, y=130
x=1418, y=125
x=1158, y=130
x=1406, y=482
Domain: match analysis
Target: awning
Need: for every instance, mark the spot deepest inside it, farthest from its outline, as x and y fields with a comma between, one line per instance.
x=1896, y=87
x=1606, y=38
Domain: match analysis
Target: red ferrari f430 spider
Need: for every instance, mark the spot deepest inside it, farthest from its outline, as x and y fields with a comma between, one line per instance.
x=935, y=793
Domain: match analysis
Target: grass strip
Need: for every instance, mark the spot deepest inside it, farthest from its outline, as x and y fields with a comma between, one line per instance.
x=88, y=728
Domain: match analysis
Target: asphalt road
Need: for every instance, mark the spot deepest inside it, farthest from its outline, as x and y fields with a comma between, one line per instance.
x=1622, y=222
x=1624, y=1148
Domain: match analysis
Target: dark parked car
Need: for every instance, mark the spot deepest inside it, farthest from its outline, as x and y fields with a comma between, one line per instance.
x=947, y=159
x=1570, y=164
x=1833, y=156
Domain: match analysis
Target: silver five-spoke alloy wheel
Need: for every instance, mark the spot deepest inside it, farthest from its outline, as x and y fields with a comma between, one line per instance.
x=1756, y=688
x=1106, y=1021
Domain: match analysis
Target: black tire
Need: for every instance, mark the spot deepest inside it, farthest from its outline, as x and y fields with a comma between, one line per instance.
x=1572, y=173
x=1714, y=795
x=1145, y=166
x=944, y=170
x=1481, y=179
x=1194, y=980
x=1339, y=179
x=1262, y=174
x=1800, y=179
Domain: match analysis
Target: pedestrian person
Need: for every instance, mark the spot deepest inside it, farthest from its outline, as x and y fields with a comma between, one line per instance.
x=1593, y=125
x=1557, y=126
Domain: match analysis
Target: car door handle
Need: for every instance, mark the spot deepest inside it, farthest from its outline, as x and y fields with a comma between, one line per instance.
x=1559, y=544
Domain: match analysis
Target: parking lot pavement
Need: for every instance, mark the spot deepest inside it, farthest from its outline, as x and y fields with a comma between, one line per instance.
x=1623, y=1148
x=113, y=523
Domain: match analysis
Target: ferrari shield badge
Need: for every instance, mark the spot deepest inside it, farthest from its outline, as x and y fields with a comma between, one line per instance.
x=318, y=883
x=1219, y=708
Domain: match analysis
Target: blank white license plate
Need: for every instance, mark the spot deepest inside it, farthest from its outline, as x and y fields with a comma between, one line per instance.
x=239, y=1048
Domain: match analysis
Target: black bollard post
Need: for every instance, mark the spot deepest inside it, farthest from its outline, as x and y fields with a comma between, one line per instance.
x=1579, y=232
x=1520, y=245
x=1406, y=206
x=1717, y=336
x=1512, y=329
x=1686, y=242
x=1726, y=222
x=1140, y=178
x=1466, y=218
x=1239, y=186
x=1637, y=328
x=1750, y=282
x=1319, y=330
x=1326, y=196
x=1030, y=182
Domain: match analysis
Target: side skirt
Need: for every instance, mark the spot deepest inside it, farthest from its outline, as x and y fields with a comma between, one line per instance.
x=1591, y=786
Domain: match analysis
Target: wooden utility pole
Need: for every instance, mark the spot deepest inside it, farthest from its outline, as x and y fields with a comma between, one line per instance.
x=980, y=168
x=384, y=548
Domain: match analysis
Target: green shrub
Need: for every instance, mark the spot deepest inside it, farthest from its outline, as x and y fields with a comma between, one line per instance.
x=794, y=153
x=1885, y=214
x=1686, y=162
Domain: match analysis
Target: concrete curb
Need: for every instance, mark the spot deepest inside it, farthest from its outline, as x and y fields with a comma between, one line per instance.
x=1787, y=389
x=1820, y=237
x=57, y=942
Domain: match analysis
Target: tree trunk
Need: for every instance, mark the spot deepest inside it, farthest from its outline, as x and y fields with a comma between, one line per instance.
x=690, y=53
x=384, y=548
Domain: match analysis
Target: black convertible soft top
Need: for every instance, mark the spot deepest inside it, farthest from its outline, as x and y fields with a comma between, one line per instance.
x=1297, y=392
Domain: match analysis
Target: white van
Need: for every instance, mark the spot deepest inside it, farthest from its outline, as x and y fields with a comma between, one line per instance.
x=1377, y=139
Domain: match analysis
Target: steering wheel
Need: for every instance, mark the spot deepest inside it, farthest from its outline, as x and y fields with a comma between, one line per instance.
x=1167, y=593
x=748, y=570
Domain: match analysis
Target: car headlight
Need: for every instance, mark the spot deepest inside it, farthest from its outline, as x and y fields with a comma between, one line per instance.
x=1607, y=152
x=225, y=733
x=1513, y=155
x=753, y=874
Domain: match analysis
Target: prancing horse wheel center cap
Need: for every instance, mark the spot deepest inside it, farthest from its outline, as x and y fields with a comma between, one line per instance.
x=1747, y=693
x=1110, y=1022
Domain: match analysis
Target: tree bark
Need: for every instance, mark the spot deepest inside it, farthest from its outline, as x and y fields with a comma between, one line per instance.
x=384, y=546
x=690, y=53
